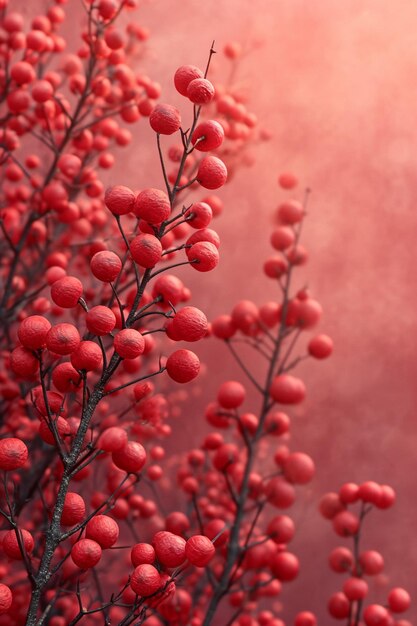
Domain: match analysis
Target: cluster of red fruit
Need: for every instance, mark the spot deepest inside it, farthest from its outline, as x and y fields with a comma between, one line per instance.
x=89, y=286
x=63, y=116
x=358, y=563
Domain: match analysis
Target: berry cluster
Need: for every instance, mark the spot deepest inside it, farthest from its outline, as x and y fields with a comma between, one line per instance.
x=360, y=564
x=100, y=523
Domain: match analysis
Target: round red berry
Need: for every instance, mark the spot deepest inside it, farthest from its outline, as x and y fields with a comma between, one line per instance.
x=131, y=458
x=86, y=553
x=129, y=343
x=183, y=366
x=200, y=91
x=199, y=550
x=153, y=206
x=145, y=580
x=103, y=529
x=119, y=200
x=100, y=320
x=184, y=75
x=212, y=173
x=66, y=292
x=32, y=331
x=106, y=266
x=6, y=598
x=63, y=339
x=165, y=119
x=13, y=453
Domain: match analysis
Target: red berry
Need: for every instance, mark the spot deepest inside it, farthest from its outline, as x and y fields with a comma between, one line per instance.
x=370, y=492
x=320, y=347
x=371, y=562
x=129, y=343
x=226, y=456
x=70, y=165
x=341, y=560
x=142, y=553
x=153, y=206
x=119, y=200
x=199, y=550
x=199, y=215
x=205, y=234
x=106, y=266
x=100, y=320
x=146, y=250
x=63, y=339
x=66, y=378
x=131, y=458
x=339, y=606
x=223, y=327
x=200, y=91
x=13, y=453
x=6, y=598
x=349, y=493
x=114, y=38
x=203, y=256
x=184, y=75
x=11, y=544
x=231, y=394
x=281, y=529
x=169, y=548
x=32, y=331
x=23, y=362
x=355, y=589
x=387, y=497
x=287, y=180
x=145, y=580
x=183, y=366
x=112, y=439
x=87, y=356
x=287, y=389
x=376, y=615
x=233, y=50
x=290, y=212
x=346, y=523
x=190, y=324
x=330, y=505
x=305, y=618
x=298, y=468
x=282, y=238
x=169, y=288
x=269, y=314
x=275, y=267
x=74, y=509
x=399, y=600
x=279, y=492
x=177, y=523
x=212, y=173
x=86, y=553
x=103, y=529
x=42, y=91
x=165, y=119
x=285, y=566
x=46, y=433
x=277, y=423
x=208, y=136
x=22, y=73
x=66, y=292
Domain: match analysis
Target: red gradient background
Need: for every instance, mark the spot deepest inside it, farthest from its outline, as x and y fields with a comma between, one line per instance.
x=335, y=82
